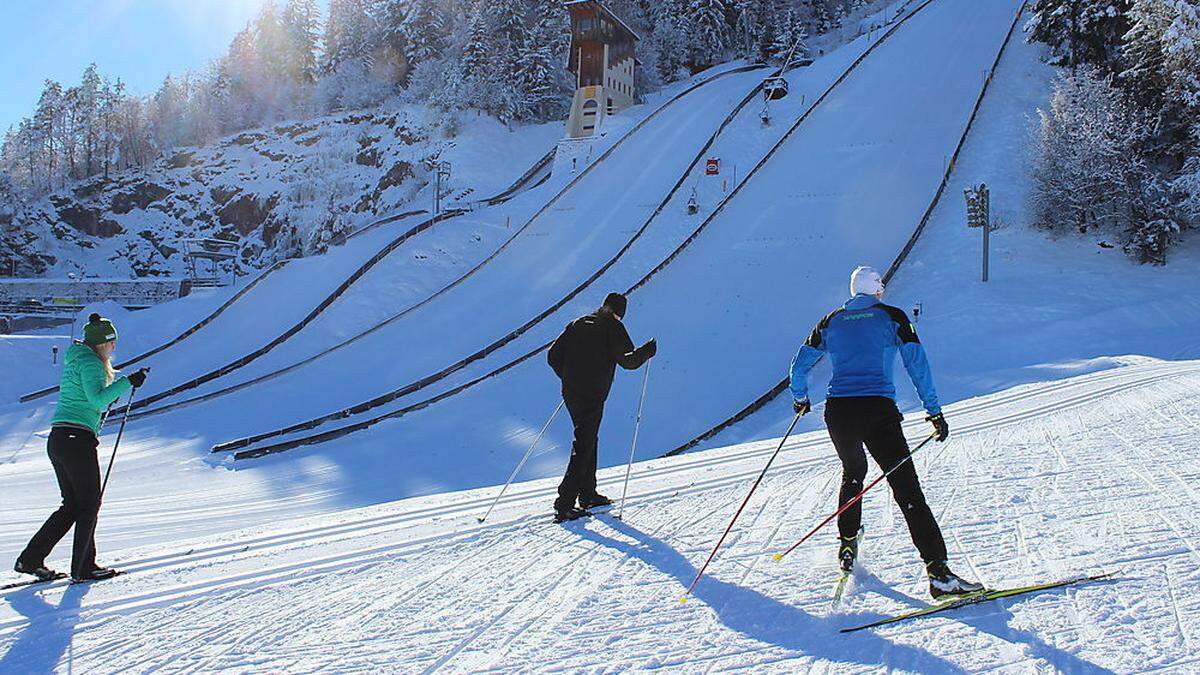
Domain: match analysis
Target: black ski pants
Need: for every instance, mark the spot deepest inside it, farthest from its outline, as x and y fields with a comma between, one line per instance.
x=875, y=421
x=580, y=479
x=73, y=455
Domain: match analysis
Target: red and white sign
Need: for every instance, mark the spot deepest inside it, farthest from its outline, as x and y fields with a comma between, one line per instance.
x=713, y=167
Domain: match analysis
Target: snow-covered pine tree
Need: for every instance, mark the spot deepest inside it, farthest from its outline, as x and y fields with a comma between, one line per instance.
x=538, y=65
x=504, y=97
x=789, y=31
x=349, y=34
x=46, y=131
x=1085, y=156
x=425, y=31
x=1155, y=221
x=749, y=28
x=710, y=31
x=86, y=120
x=671, y=39
x=1181, y=48
x=822, y=15
x=301, y=22
x=1080, y=31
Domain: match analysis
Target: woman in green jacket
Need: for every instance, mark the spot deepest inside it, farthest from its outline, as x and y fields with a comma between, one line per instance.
x=88, y=386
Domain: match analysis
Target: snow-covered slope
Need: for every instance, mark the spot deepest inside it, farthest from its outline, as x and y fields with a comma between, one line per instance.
x=849, y=184
x=1039, y=483
x=279, y=192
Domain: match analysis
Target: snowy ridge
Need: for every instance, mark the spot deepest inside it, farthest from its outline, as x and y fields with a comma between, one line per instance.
x=480, y=595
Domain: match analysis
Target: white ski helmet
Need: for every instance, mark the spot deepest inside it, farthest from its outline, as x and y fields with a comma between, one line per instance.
x=865, y=280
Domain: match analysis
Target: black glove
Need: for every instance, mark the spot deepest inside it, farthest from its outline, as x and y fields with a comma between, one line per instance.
x=939, y=424
x=802, y=407
x=650, y=349
x=138, y=378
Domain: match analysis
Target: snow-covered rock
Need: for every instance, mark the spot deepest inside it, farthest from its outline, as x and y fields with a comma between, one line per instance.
x=279, y=192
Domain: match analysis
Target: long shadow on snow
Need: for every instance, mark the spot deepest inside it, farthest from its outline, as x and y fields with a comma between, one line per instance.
x=993, y=618
x=765, y=619
x=41, y=645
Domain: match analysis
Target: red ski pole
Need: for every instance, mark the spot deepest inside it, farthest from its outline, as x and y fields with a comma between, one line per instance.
x=740, y=508
x=853, y=500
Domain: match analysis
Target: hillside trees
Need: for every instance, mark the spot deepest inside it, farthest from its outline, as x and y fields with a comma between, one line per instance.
x=1132, y=60
x=500, y=57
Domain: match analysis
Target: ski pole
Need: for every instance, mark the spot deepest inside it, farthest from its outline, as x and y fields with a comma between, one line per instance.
x=853, y=500
x=117, y=443
x=524, y=459
x=636, y=425
x=112, y=459
x=740, y=508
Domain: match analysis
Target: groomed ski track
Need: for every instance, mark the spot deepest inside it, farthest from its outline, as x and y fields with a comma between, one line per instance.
x=1041, y=482
x=847, y=188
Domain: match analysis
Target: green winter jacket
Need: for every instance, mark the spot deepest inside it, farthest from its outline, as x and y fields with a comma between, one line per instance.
x=82, y=396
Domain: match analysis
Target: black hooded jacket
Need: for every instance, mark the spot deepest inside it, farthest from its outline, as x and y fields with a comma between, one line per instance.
x=585, y=357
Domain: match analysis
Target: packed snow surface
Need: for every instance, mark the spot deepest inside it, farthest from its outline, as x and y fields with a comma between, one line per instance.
x=1071, y=380
x=1036, y=484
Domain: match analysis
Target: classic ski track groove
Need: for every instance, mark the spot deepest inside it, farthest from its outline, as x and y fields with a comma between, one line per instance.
x=315, y=567
x=348, y=412
x=396, y=243
x=560, y=602
x=1113, y=380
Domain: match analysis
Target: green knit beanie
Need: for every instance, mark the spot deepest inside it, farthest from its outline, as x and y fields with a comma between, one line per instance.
x=98, y=331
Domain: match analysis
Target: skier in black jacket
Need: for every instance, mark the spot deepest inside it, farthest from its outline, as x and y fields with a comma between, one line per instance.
x=585, y=358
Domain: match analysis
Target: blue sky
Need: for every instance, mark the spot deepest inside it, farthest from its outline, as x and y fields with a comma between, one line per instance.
x=139, y=41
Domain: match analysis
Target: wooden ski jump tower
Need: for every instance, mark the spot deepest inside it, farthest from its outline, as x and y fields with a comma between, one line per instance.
x=604, y=62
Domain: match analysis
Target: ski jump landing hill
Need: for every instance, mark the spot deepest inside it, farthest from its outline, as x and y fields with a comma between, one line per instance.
x=729, y=299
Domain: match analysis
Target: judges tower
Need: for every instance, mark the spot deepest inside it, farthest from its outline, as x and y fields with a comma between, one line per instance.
x=604, y=63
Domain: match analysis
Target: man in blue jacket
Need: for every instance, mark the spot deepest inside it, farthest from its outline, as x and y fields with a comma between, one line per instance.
x=861, y=340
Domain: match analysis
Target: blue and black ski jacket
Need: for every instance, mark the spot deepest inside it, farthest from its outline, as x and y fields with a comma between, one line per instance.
x=861, y=339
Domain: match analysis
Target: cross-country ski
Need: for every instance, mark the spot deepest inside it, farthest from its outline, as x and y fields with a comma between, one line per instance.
x=622, y=336
x=975, y=598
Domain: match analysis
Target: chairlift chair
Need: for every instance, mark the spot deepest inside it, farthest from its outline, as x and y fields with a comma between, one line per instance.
x=775, y=88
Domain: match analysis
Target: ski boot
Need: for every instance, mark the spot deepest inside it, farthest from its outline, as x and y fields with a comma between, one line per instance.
x=847, y=553
x=571, y=513
x=42, y=572
x=594, y=501
x=943, y=582
x=94, y=574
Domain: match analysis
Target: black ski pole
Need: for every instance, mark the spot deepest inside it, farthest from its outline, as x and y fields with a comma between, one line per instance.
x=113, y=458
x=521, y=464
x=117, y=443
x=637, y=425
x=740, y=508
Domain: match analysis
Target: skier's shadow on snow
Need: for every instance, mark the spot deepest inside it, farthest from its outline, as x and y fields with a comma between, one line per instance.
x=41, y=645
x=765, y=619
